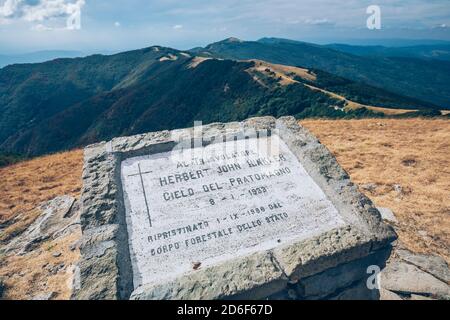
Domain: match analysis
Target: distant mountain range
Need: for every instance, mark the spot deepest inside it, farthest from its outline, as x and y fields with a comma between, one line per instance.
x=391, y=42
x=424, y=79
x=38, y=56
x=440, y=52
x=66, y=103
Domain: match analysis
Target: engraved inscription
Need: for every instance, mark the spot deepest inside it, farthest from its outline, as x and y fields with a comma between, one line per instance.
x=221, y=205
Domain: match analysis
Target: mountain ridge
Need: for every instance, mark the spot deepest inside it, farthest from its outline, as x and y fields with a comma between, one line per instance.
x=67, y=103
x=422, y=79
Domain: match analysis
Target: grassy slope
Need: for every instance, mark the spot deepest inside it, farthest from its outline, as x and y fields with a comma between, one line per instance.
x=412, y=154
x=24, y=186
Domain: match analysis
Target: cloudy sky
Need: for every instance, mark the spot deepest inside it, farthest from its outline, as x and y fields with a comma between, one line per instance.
x=111, y=25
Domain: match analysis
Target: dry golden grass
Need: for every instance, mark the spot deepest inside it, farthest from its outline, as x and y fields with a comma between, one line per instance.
x=27, y=184
x=285, y=73
x=31, y=275
x=20, y=225
x=351, y=105
x=197, y=61
x=390, y=112
x=408, y=162
x=24, y=186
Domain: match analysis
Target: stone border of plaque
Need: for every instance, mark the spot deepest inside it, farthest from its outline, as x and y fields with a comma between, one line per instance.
x=332, y=265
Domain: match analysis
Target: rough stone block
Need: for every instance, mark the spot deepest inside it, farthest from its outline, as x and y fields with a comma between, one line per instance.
x=223, y=211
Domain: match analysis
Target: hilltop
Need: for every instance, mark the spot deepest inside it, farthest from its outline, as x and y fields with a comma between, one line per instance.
x=394, y=70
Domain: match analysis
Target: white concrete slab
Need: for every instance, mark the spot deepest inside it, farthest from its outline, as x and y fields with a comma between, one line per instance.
x=229, y=199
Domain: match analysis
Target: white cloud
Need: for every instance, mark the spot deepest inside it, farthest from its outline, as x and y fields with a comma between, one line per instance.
x=206, y=21
x=178, y=27
x=117, y=24
x=41, y=27
x=39, y=11
x=318, y=22
x=9, y=8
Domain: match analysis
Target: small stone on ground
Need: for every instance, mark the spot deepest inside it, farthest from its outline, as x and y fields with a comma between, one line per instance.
x=401, y=277
x=388, y=215
x=388, y=295
x=44, y=296
x=434, y=265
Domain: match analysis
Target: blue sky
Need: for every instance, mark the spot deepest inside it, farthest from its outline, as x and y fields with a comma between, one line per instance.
x=29, y=25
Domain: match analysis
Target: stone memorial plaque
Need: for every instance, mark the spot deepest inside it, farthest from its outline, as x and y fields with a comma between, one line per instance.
x=190, y=209
x=257, y=209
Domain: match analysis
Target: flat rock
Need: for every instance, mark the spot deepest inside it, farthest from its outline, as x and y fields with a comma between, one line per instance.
x=431, y=264
x=401, y=277
x=388, y=295
x=387, y=215
x=75, y=245
x=44, y=296
x=418, y=297
x=59, y=217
